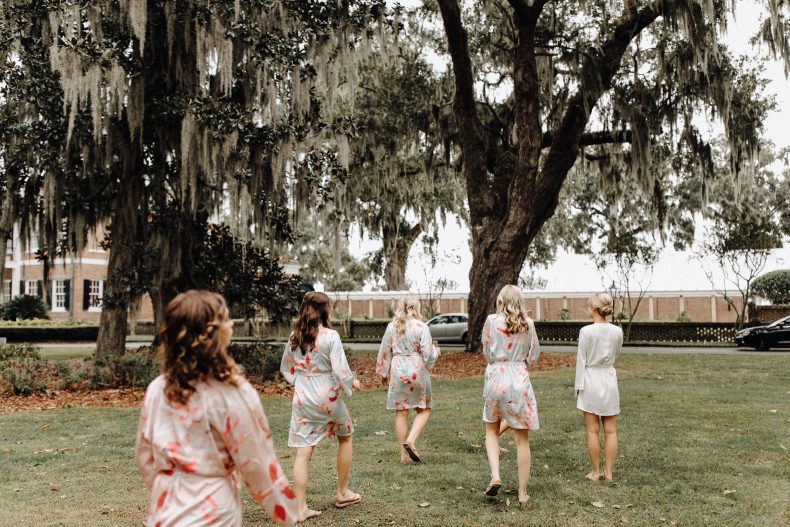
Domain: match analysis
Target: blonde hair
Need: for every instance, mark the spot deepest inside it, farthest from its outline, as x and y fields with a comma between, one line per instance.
x=510, y=304
x=408, y=307
x=601, y=303
x=190, y=343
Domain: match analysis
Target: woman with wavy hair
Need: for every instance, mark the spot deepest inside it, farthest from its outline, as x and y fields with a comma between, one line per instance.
x=406, y=354
x=202, y=424
x=596, y=383
x=315, y=363
x=510, y=346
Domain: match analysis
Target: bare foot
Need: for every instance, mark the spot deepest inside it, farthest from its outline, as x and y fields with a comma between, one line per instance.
x=593, y=476
x=306, y=514
x=523, y=499
x=404, y=458
x=607, y=477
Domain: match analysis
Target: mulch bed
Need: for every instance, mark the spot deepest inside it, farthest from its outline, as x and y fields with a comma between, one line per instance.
x=450, y=366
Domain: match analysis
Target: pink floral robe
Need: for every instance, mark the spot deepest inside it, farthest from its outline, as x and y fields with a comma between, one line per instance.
x=319, y=377
x=405, y=360
x=507, y=393
x=190, y=457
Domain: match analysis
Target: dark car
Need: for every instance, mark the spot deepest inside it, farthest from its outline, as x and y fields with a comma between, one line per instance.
x=774, y=335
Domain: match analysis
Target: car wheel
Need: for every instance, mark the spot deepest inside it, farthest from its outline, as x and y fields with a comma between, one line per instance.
x=762, y=344
x=464, y=338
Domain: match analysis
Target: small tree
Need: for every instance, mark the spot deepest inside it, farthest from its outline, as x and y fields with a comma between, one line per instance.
x=739, y=244
x=775, y=286
x=629, y=263
x=24, y=307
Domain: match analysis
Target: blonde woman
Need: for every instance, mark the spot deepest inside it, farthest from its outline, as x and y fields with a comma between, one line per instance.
x=510, y=345
x=596, y=383
x=406, y=354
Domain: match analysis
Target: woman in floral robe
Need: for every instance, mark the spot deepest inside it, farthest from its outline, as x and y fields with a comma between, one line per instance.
x=315, y=363
x=202, y=426
x=510, y=345
x=406, y=354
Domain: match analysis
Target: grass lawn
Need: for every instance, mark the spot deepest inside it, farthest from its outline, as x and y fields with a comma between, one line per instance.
x=692, y=427
x=67, y=352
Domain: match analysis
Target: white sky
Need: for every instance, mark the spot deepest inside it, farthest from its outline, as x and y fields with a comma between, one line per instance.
x=571, y=272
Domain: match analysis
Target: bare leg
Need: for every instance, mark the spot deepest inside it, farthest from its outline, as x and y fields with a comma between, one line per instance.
x=418, y=425
x=593, y=446
x=524, y=460
x=344, y=452
x=301, y=472
x=401, y=431
x=503, y=427
x=610, y=444
x=492, y=449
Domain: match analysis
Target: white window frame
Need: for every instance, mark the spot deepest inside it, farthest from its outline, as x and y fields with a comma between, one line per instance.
x=8, y=290
x=59, y=296
x=98, y=293
x=31, y=288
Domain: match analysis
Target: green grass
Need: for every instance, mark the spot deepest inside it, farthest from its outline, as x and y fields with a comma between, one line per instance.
x=692, y=426
x=67, y=352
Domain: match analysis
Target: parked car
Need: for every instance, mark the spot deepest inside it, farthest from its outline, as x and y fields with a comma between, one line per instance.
x=774, y=335
x=449, y=327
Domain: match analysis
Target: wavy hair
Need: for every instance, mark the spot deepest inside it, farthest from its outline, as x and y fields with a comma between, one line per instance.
x=602, y=303
x=510, y=304
x=313, y=313
x=190, y=343
x=408, y=308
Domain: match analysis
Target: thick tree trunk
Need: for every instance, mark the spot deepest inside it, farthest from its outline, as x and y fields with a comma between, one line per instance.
x=113, y=324
x=397, y=244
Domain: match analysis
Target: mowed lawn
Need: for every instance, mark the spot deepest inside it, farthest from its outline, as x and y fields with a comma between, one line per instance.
x=693, y=430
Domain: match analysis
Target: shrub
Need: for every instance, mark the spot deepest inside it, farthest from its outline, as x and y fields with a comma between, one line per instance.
x=775, y=286
x=21, y=369
x=24, y=307
x=683, y=317
x=565, y=314
x=260, y=361
x=45, y=323
x=134, y=369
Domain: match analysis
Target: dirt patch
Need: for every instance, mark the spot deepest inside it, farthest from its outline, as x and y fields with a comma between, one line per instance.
x=450, y=366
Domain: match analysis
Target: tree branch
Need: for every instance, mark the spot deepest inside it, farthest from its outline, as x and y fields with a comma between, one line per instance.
x=595, y=138
x=596, y=76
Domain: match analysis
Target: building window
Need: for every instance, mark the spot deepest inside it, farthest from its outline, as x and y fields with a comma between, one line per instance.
x=7, y=290
x=95, y=293
x=59, y=295
x=31, y=288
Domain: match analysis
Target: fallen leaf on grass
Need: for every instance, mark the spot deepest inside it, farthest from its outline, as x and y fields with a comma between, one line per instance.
x=728, y=491
x=45, y=451
x=423, y=504
x=55, y=488
x=381, y=433
x=625, y=519
x=615, y=506
x=774, y=411
x=459, y=488
x=503, y=450
x=476, y=446
x=597, y=504
x=45, y=427
x=783, y=447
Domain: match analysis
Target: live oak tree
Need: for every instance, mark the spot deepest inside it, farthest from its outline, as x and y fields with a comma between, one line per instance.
x=582, y=73
x=179, y=110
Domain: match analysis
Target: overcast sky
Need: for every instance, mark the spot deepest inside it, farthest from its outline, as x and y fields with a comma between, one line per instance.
x=675, y=270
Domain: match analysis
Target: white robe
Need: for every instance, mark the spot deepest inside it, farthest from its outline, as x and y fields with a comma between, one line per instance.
x=596, y=378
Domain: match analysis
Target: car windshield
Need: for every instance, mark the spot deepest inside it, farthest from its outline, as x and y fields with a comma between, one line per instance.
x=779, y=322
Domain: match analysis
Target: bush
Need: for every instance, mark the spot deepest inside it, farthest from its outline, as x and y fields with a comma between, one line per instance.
x=683, y=317
x=24, y=307
x=775, y=286
x=45, y=323
x=260, y=361
x=134, y=369
x=21, y=369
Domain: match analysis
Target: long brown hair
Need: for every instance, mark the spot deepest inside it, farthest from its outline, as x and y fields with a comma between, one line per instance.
x=190, y=344
x=313, y=313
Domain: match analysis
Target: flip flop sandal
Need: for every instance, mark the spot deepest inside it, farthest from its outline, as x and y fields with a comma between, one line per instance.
x=345, y=503
x=412, y=453
x=493, y=488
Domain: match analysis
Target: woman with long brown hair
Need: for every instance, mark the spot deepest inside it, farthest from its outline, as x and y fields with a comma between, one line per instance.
x=510, y=346
x=315, y=363
x=406, y=354
x=202, y=424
